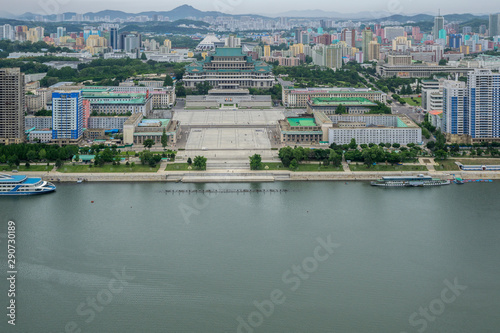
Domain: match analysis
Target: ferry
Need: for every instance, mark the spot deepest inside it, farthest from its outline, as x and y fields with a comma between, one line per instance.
x=410, y=181
x=24, y=185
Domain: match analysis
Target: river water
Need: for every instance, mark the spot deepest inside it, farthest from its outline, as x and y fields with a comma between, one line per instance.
x=307, y=257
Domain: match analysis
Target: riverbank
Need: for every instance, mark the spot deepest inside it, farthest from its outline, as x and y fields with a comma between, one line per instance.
x=240, y=176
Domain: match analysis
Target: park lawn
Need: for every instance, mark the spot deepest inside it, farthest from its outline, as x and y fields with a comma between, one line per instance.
x=302, y=167
x=316, y=167
x=108, y=168
x=479, y=161
x=273, y=166
x=446, y=165
x=383, y=167
x=21, y=167
x=177, y=167
x=409, y=101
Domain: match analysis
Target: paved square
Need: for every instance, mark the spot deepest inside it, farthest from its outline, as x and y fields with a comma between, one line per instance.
x=228, y=138
x=229, y=117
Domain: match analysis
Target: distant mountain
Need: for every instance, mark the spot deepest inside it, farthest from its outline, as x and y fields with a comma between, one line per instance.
x=185, y=11
x=426, y=17
x=6, y=14
x=178, y=13
x=376, y=16
x=318, y=13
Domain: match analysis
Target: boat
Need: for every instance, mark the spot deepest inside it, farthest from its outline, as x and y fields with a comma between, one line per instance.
x=459, y=181
x=24, y=185
x=410, y=181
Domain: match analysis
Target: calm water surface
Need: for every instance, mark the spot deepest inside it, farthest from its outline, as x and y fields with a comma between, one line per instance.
x=206, y=263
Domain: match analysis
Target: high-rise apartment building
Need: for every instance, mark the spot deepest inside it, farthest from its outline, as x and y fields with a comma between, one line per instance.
x=472, y=110
x=483, y=88
x=61, y=31
x=67, y=116
x=367, y=36
x=333, y=56
x=12, y=105
x=7, y=32
x=267, y=51
x=373, y=51
x=455, y=115
x=392, y=32
x=113, y=38
x=494, y=27
x=438, y=25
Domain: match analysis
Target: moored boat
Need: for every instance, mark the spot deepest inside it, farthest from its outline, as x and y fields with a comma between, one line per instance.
x=410, y=181
x=24, y=185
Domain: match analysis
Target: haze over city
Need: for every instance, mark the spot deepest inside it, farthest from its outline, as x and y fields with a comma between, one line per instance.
x=261, y=7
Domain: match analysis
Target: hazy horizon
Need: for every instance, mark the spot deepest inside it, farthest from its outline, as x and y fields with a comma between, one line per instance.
x=257, y=7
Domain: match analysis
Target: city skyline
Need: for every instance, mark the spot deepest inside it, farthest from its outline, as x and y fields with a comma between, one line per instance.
x=239, y=7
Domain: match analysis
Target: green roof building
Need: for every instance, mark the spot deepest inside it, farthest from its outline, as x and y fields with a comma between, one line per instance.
x=229, y=68
x=329, y=105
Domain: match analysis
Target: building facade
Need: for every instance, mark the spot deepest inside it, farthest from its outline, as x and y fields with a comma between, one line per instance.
x=366, y=129
x=455, y=115
x=37, y=122
x=483, y=88
x=67, y=117
x=12, y=105
x=298, y=97
x=228, y=67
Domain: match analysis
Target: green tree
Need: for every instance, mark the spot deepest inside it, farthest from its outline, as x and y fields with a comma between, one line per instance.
x=341, y=109
x=59, y=163
x=164, y=139
x=294, y=164
x=353, y=144
x=441, y=154
x=286, y=156
x=443, y=62
x=335, y=158
x=168, y=81
x=255, y=162
x=148, y=143
x=200, y=163
x=31, y=155
x=143, y=56
x=299, y=154
x=189, y=161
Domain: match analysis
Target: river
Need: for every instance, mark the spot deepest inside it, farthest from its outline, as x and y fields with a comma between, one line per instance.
x=305, y=257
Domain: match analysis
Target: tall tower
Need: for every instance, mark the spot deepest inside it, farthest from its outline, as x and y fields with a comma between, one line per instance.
x=67, y=116
x=494, y=27
x=438, y=25
x=484, y=104
x=12, y=105
x=455, y=115
x=113, y=38
x=367, y=36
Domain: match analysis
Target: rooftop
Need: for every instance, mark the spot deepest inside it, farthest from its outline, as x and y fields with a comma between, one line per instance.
x=346, y=101
x=303, y=122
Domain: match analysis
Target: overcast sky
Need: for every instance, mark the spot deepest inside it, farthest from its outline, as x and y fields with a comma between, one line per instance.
x=253, y=6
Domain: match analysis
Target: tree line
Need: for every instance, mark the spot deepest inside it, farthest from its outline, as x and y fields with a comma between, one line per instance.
x=366, y=153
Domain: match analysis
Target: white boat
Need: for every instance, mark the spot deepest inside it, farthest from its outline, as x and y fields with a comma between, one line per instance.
x=24, y=185
x=410, y=181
